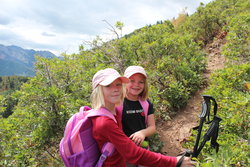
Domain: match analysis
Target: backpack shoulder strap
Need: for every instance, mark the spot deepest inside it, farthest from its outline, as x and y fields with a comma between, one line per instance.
x=101, y=112
x=145, y=106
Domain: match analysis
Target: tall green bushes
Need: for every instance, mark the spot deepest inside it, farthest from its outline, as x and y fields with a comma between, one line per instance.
x=228, y=87
x=238, y=39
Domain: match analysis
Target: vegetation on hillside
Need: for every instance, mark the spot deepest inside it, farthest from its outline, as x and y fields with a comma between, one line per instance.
x=8, y=85
x=173, y=56
x=228, y=87
x=11, y=83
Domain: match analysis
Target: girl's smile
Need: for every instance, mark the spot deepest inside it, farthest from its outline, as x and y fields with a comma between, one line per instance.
x=135, y=86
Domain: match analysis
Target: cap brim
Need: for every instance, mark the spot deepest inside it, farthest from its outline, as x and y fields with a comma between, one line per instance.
x=111, y=79
x=132, y=73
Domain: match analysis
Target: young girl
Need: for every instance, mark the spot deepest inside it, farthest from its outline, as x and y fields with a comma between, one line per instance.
x=138, y=121
x=107, y=91
x=136, y=125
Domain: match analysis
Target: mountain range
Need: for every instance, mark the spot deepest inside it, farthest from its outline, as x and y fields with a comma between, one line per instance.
x=17, y=61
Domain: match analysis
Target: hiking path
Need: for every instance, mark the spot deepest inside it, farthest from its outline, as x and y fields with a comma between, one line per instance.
x=177, y=130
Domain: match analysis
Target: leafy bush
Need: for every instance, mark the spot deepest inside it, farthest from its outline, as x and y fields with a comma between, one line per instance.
x=227, y=87
x=238, y=39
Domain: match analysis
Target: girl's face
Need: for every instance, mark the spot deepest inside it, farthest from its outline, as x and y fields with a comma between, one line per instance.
x=113, y=92
x=136, y=85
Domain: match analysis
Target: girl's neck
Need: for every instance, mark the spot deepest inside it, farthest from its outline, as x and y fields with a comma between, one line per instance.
x=132, y=97
x=111, y=108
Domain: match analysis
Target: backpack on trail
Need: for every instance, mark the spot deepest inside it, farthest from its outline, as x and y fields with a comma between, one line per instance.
x=78, y=148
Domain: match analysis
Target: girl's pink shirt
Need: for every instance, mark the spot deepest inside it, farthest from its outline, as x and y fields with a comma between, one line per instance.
x=106, y=130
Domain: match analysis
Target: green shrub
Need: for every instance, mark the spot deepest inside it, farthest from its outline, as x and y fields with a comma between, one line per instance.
x=227, y=87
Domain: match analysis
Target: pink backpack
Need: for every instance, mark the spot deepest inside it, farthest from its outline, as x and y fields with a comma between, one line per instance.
x=78, y=148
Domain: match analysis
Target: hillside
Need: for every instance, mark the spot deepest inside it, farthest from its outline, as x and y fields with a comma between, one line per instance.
x=17, y=61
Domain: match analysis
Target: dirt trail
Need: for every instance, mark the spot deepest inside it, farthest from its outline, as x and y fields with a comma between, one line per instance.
x=178, y=129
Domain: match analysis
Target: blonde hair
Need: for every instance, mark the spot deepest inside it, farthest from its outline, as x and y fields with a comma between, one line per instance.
x=97, y=97
x=144, y=93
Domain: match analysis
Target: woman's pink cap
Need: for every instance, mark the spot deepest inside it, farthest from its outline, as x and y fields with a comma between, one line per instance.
x=106, y=77
x=131, y=70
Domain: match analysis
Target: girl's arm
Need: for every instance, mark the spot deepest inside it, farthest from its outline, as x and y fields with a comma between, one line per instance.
x=139, y=136
x=106, y=130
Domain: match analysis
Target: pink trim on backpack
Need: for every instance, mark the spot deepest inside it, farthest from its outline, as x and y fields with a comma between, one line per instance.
x=145, y=106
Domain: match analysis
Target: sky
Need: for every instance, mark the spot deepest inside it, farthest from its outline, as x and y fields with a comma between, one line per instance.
x=60, y=26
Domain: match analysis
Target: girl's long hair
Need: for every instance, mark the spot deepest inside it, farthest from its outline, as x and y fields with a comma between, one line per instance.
x=97, y=98
x=144, y=93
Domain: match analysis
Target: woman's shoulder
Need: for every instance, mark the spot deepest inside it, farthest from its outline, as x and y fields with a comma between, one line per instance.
x=103, y=122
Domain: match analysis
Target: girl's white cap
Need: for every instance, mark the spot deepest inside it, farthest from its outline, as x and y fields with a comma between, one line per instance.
x=131, y=70
x=106, y=77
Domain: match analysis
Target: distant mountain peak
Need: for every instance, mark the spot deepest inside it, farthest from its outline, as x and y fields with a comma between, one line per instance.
x=15, y=60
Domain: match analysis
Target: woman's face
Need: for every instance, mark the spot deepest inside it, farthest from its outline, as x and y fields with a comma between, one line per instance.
x=136, y=84
x=113, y=92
